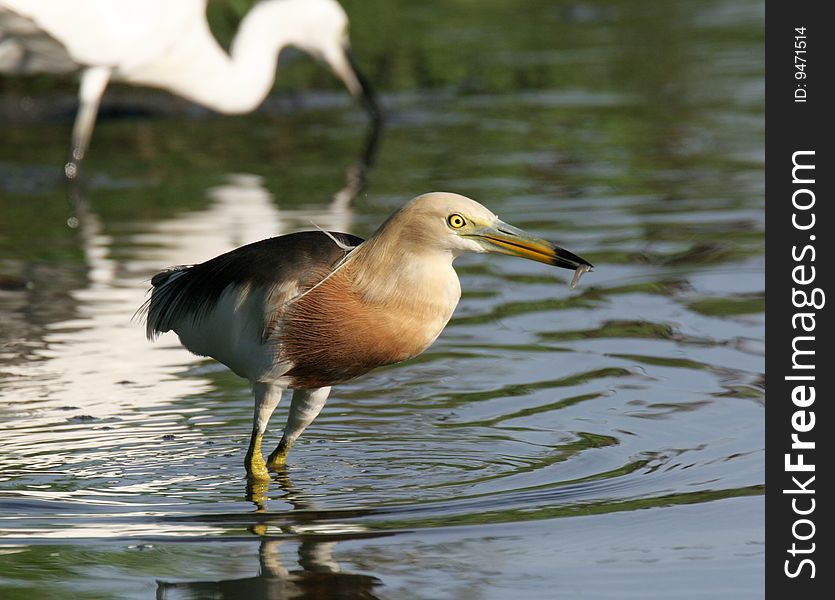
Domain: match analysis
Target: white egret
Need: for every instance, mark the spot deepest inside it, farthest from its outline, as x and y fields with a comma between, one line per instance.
x=168, y=44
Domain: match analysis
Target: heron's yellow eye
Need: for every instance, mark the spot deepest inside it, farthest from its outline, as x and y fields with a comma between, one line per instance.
x=456, y=221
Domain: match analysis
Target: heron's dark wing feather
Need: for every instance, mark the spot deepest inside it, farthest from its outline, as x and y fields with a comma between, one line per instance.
x=297, y=260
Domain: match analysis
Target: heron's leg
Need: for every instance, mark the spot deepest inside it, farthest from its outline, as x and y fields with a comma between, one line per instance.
x=267, y=396
x=93, y=82
x=304, y=407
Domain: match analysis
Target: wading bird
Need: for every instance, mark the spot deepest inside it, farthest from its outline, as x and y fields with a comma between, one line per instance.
x=168, y=44
x=312, y=309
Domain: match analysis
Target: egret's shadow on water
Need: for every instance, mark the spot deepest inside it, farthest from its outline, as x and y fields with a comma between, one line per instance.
x=355, y=181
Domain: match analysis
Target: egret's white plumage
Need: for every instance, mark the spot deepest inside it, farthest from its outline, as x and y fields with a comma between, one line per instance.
x=312, y=309
x=168, y=44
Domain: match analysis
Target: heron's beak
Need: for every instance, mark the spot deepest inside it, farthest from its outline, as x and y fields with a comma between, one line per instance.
x=345, y=67
x=507, y=239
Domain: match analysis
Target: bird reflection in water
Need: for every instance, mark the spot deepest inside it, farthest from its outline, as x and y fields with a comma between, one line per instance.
x=337, y=212
x=318, y=574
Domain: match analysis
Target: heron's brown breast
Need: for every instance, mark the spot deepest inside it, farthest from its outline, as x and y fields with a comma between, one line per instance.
x=332, y=333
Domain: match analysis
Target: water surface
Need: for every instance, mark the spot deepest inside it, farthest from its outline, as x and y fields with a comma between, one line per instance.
x=605, y=441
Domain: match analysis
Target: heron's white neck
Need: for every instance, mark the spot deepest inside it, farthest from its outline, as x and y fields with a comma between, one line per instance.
x=198, y=69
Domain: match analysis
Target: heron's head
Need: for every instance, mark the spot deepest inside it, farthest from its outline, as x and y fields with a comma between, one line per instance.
x=320, y=28
x=457, y=224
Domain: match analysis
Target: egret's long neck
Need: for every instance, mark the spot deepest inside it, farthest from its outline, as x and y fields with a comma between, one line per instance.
x=198, y=69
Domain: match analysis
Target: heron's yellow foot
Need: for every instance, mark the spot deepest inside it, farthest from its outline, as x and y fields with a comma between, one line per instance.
x=256, y=468
x=278, y=458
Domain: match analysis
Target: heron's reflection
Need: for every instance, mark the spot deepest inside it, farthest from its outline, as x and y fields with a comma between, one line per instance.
x=318, y=575
x=274, y=582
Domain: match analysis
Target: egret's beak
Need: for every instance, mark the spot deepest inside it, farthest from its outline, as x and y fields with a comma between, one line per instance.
x=507, y=239
x=345, y=67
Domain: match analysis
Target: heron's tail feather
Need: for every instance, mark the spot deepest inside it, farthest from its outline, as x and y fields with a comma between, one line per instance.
x=167, y=303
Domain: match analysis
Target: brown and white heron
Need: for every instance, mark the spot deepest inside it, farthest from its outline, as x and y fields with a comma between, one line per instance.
x=168, y=44
x=312, y=309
